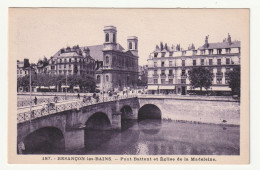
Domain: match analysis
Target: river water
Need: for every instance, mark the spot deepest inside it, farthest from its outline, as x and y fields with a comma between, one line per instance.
x=163, y=137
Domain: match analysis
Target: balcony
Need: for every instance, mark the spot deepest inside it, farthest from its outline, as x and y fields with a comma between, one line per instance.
x=170, y=76
x=155, y=75
x=163, y=75
x=183, y=76
x=219, y=75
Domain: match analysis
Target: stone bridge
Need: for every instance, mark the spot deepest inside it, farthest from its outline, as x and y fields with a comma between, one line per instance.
x=65, y=129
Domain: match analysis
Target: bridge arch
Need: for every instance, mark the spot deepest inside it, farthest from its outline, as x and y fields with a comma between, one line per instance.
x=46, y=140
x=126, y=112
x=149, y=111
x=96, y=130
x=98, y=121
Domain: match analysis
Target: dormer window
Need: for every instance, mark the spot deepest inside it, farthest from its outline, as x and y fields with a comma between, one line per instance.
x=114, y=38
x=163, y=54
x=219, y=51
x=170, y=54
x=202, y=52
x=155, y=55
x=227, y=50
x=211, y=51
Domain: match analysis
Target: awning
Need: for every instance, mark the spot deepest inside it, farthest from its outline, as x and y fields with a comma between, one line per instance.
x=52, y=87
x=152, y=87
x=167, y=87
x=65, y=86
x=76, y=87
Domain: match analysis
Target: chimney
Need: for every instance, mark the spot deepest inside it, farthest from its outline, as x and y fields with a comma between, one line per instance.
x=229, y=39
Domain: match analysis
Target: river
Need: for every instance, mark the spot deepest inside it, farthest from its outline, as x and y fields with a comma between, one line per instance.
x=163, y=137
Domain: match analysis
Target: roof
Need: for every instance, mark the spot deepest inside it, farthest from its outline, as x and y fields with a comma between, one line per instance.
x=69, y=54
x=234, y=44
x=95, y=51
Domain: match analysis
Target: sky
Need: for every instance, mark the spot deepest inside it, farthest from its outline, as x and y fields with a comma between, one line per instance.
x=38, y=32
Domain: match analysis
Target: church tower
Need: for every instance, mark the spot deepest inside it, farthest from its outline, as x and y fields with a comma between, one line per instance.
x=132, y=44
x=110, y=38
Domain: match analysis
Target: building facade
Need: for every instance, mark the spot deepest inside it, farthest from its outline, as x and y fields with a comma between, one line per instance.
x=23, y=68
x=70, y=61
x=119, y=69
x=168, y=67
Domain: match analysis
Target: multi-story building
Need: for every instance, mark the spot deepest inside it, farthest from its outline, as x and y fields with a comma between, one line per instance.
x=70, y=61
x=23, y=68
x=168, y=67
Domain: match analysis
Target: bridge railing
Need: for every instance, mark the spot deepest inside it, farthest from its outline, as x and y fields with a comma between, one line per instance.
x=27, y=102
x=49, y=109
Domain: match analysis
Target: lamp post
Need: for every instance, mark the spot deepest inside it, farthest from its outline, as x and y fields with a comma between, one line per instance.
x=30, y=94
x=66, y=87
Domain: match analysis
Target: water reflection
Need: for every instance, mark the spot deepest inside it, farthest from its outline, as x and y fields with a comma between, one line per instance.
x=150, y=126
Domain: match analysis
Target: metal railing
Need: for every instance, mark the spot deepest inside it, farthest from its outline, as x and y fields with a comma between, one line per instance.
x=50, y=108
x=27, y=102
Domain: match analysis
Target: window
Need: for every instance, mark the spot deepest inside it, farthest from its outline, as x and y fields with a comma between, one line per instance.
x=194, y=62
x=162, y=64
x=211, y=51
x=155, y=72
x=183, y=62
x=162, y=81
x=155, y=64
x=219, y=51
x=170, y=81
x=76, y=60
x=183, y=72
x=227, y=60
x=114, y=38
x=183, y=81
x=25, y=72
x=163, y=54
x=107, y=78
x=20, y=71
x=53, y=62
x=170, y=72
x=210, y=62
x=52, y=67
x=130, y=45
x=202, y=52
x=219, y=61
x=219, y=70
x=65, y=60
x=202, y=62
x=155, y=55
x=162, y=72
x=70, y=60
x=227, y=50
x=64, y=65
x=219, y=80
x=107, y=59
x=170, y=63
x=98, y=79
x=107, y=37
x=155, y=81
x=69, y=66
x=170, y=54
x=60, y=60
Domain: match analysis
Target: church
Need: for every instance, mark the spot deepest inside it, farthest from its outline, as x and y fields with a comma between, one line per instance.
x=115, y=68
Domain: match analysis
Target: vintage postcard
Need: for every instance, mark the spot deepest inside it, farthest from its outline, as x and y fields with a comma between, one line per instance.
x=128, y=86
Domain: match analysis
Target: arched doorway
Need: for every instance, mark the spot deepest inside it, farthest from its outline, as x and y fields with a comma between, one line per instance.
x=47, y=140
x=149, y=111
x=97, y=131
x=126, y=117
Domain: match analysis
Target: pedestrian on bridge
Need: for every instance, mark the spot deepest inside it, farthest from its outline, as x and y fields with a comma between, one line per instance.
x=35, y=100
x=78, y=96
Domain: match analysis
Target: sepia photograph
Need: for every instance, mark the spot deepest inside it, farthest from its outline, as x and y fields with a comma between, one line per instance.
x=129, y=85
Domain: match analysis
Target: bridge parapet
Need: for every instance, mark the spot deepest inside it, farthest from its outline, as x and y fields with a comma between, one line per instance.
x=49, y=109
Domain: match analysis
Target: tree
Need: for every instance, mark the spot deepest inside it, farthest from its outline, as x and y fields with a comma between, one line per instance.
x=234, y=80
x=200, y=77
